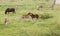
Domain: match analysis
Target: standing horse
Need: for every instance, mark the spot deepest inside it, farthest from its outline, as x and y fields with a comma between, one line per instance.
x=8, y=10
x=33, y=15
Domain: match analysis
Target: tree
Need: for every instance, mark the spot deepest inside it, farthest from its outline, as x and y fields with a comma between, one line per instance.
x=53, y=4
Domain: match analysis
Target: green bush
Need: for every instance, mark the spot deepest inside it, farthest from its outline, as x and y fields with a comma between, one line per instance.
x=46, y=16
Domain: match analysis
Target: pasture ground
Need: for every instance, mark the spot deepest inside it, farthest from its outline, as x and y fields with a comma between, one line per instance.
x=20, y=27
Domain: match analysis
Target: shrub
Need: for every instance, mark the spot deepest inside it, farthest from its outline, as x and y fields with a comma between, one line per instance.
x=46, y=16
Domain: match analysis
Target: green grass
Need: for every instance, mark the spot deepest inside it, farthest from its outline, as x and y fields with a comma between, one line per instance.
x=37, y=27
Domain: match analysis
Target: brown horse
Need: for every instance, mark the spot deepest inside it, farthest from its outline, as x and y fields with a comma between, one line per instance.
x=33, y=15
x=8, y=10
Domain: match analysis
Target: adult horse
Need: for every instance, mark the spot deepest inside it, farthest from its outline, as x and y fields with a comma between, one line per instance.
x=8, y=10
x=33, y=15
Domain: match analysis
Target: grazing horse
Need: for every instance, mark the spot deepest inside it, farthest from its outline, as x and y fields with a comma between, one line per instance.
x=9, y=10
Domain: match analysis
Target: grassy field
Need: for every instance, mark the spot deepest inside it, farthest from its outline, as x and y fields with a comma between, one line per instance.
x=37, y=27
